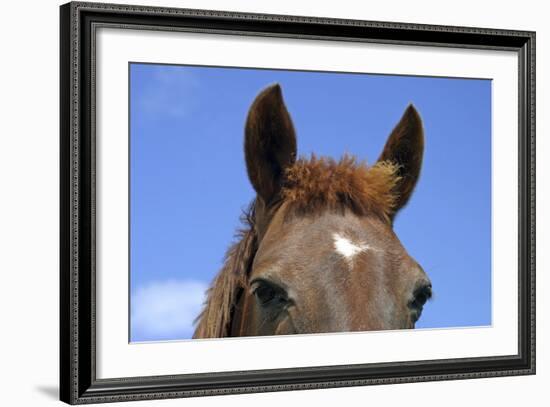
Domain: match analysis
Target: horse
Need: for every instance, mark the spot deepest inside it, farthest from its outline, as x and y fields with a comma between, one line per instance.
x=317, y=253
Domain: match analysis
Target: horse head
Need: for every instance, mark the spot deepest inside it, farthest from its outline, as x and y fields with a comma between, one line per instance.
x=319, y=253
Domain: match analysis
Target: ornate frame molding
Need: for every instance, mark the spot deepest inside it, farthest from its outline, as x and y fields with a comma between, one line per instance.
x=78, y=383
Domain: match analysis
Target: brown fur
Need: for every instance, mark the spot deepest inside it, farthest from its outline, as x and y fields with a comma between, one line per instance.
x=319, y=184
x=312, y=185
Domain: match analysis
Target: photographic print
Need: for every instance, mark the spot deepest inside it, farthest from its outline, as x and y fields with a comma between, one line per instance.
x=275, y=202
x=254, y=202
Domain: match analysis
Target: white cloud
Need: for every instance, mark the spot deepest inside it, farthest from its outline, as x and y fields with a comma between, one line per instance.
x=164, y=310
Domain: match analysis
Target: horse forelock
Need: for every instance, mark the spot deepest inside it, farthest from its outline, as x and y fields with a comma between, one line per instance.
x=317, y=184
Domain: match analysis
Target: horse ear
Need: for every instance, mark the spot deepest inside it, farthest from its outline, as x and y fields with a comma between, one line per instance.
x=270, y=142
x=405, y=147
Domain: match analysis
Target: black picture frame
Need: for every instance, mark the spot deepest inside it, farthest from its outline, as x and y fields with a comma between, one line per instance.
x=78, y=382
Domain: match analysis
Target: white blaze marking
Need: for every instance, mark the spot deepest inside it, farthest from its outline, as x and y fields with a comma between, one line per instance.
x=347, y=248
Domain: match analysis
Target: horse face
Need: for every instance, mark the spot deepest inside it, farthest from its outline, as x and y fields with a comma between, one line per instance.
x=334, y=270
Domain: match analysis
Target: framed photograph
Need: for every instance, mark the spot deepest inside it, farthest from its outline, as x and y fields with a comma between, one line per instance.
x=255, y=203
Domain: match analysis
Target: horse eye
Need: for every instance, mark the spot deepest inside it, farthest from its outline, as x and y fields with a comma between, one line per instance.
x=420, y=296
x=266, y=292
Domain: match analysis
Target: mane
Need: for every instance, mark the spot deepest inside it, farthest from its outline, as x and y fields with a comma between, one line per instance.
x=221, y=297
x=317, y=184
x=310, y=186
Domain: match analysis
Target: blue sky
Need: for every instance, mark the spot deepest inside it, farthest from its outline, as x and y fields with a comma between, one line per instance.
x=188, y=182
